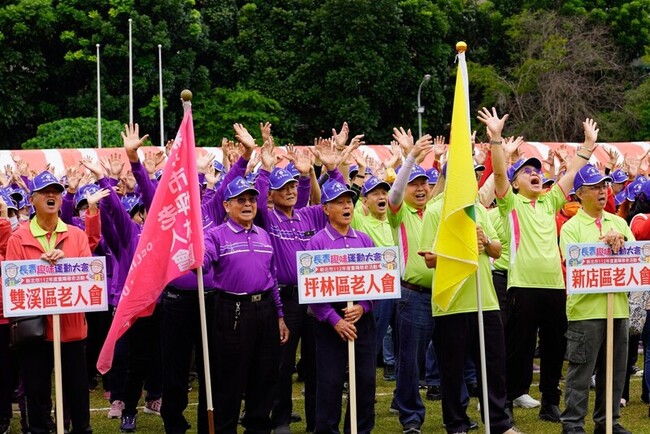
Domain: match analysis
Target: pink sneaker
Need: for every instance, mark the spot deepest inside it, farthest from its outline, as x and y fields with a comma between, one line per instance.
x=153, y=406
x=116, y=409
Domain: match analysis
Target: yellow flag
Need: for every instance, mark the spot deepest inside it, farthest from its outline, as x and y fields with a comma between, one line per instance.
x=456, y=243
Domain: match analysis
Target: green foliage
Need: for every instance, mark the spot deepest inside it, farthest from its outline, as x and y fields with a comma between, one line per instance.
x=75, y=133
x=215, y=115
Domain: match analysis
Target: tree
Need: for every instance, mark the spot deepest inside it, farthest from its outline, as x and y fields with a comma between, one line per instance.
x=75, y=133
x=563, y=70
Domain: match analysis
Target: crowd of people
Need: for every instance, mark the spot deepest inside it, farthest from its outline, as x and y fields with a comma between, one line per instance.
x=258, y=215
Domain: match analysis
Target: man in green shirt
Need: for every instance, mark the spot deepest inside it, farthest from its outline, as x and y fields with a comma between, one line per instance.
x=587, y=313
x=535, y=284
x=456, y=332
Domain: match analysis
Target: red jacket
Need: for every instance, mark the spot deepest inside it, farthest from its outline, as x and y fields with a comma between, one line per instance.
x=5, y=233
x=74, y=243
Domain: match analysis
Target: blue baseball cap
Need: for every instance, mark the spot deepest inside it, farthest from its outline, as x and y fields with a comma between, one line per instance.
x=279, y=178
x=238, y=186
x=44, y=180
x=532, y=161
x=620, y=197
x=372, y=183
x=633, y=189
x=417, y=172
x=251, y=177
x=433, y=175
x=130, y=202
x=83, y=192
x=158, y=174
x=8, y=200
x=589, y=175
x=546, y=182
x=17, y=194
x=618, y=176
x=292, y=169
x=216, y=165
x=333, y=189
x=353, y=169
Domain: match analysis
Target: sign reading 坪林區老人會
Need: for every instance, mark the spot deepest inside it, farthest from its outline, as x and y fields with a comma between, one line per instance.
x=593, y=268
x=327, y=276
x=35, y=287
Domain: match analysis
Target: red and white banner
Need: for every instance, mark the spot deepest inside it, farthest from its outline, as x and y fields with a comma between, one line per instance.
x=62, y=158
x=171, y=243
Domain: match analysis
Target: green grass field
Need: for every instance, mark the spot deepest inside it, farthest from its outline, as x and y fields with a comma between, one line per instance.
x=634, y=416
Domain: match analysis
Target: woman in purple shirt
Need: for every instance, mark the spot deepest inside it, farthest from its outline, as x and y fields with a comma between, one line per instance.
x=338, y=324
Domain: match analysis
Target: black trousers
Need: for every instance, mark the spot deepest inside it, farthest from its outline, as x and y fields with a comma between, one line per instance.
x=456, y=338
x=500, y=281
x=532, y=309
x=37, y=362
x=180, y=332
x=6, y=373
x=247, y=351
x=300, y=328
x=143, y=363
x=332, y=362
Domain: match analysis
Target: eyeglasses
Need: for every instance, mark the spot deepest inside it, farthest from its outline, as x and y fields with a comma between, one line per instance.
x=597, y=187
x=245, y=200
x=528, y=170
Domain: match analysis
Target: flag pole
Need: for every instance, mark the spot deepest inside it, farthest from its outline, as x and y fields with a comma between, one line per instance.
x=160, y=89
x=99, y=105
x=609, y=365
x=481, y=345
x=58, y=375
x=130, y=71
x=352, y=383
x=186, y=96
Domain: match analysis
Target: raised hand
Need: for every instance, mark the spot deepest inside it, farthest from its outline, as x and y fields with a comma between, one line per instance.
x=93, y=167
x=493, y=122
x=265, y=129
x=404, y=138
x=341, y=138
x=244, y=137
x=93, y=199
x=74, y=177
x=204, y=162
x=132, y=141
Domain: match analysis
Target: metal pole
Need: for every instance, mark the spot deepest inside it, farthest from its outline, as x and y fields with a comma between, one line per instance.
x=130, y=71
x=426, y=78
x=99, y=104
x=160, y=86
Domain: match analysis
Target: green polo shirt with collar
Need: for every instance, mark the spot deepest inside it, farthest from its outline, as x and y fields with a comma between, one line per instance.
x=503, y=262
x=582, y=228
x=532, y=238
x=465, y=299
x=378, y=230
x=41, y=234
x=406, y=224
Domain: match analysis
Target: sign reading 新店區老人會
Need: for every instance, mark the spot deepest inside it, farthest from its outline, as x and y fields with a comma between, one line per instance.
x=327, y=276
x=35, y=287
x=594, y=268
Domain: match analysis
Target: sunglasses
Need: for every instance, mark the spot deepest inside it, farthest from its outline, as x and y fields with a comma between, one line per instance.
x=245, y=200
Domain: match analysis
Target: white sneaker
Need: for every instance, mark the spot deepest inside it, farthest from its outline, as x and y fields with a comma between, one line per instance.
x=115, y=411
x=526, y=401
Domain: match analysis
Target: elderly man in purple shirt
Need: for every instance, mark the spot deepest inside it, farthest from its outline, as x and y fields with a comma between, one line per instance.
x=338, y=324
x=291, y=225
x=249, y=319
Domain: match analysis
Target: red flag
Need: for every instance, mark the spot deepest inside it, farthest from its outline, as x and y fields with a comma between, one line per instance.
x=171, y=242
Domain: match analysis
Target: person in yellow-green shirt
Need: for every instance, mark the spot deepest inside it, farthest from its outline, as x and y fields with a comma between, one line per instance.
x=587, y=313
x=535, y=285
x=456, y=332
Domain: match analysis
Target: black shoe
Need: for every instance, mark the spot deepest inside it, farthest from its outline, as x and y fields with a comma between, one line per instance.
x=574, y=430
x=616, y=429
x=549, y=412
x=511, y=416
x=393, y=407
x=389, y=372
x=433, y=393
x=411, y=428
x=473, y=425
x=295, y=417
x=5, y=426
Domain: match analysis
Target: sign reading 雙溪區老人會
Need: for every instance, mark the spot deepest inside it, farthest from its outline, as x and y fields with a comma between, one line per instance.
x=593, y=268
x=327, y=276
x=35, y=287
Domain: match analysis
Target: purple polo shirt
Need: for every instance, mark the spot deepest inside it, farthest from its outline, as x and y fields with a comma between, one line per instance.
x=330, y=238
x=241, y=260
